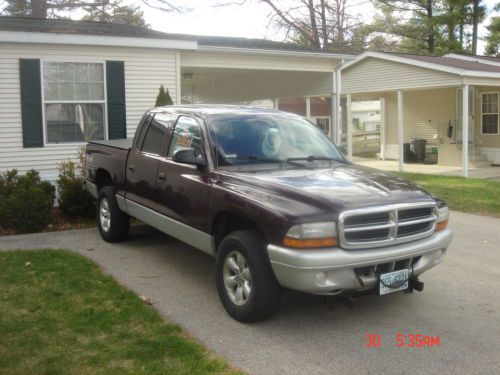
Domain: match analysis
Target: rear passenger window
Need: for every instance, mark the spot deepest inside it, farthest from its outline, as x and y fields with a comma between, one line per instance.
x=187, y=134
x=153, y=139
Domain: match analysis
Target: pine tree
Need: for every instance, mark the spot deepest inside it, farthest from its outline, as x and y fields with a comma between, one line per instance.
x=163, y=97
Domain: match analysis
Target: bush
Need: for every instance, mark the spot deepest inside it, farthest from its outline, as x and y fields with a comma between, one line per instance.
x=25, y=201
x=74, y=200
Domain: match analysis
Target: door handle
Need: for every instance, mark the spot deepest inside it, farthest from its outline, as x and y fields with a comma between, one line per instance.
x=131, y=168
x=161, y=176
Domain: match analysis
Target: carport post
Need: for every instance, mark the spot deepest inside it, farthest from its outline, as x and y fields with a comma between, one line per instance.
x=465, y=130
x=349, y=127
x=400, y=129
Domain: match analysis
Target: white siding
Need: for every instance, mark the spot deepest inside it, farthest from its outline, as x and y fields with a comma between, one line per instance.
x=145, y=70
x=246, y=61
x=372, y=74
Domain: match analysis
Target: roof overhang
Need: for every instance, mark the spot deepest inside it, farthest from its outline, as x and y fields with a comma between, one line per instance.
x=473, y=59
x=95, y=40
x=275, y=52
x=422, y=64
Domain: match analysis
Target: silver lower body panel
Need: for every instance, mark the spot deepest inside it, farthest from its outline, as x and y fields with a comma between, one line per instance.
x=334, y=270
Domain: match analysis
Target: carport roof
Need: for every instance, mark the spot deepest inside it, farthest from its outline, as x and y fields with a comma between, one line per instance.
x=63, y=26
x=455, y=64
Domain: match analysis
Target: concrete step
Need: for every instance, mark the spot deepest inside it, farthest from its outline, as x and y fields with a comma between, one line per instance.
x=481, y=164
x=479, y=157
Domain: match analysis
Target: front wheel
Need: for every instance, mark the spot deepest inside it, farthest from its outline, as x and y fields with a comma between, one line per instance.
x=245, y=281
x=113, y=224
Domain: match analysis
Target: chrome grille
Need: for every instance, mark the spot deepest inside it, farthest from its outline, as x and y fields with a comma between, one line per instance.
x=386, y=225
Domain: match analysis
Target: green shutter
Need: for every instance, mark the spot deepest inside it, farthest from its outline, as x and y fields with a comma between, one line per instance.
x=31, y=102
x=115, y=86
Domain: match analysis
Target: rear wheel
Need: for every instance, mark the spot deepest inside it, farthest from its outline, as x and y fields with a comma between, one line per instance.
x=113, y=224
x=245, y=281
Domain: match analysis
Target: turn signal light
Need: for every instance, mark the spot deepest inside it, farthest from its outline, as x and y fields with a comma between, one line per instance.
x=309, y=242
x=441, y=225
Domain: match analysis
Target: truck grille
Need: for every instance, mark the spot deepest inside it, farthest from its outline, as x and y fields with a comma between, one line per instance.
x=386, y=225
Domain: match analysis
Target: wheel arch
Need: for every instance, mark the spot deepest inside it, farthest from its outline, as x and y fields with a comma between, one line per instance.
x=226, y=222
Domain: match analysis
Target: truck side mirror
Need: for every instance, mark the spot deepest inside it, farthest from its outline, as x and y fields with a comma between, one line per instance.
x=189, y=156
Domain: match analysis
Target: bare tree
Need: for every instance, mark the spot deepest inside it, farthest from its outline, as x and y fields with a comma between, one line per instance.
x=321, y=24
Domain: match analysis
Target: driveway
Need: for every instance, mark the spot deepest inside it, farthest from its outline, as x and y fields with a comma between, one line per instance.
x=460, y=304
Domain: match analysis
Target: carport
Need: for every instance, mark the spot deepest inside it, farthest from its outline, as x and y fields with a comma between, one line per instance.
x=451, y=102
x=239, y=70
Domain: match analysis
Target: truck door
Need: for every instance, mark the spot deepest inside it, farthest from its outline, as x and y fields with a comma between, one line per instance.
x=185, y=189
x=142, y=163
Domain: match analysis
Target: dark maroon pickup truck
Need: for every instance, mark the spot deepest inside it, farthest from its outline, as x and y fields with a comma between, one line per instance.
x=272, y=199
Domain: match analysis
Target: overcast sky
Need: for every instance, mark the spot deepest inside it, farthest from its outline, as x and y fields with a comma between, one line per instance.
x=248, y=20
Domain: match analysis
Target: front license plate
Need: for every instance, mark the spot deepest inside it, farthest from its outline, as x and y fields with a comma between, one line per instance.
x=393, y=281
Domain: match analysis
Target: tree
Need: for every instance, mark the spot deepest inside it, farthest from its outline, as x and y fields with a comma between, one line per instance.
x=163, y=97
x=320, y=24
x=53, y=8
x=493, y=36
x=114, y=12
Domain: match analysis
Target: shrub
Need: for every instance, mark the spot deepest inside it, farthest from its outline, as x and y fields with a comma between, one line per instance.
x=74, y=200
x=163, y=97
x=25, y=201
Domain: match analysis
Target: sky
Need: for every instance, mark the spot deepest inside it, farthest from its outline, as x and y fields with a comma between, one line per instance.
x=248, y=20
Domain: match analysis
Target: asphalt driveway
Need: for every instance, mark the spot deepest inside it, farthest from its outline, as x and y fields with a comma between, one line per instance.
x=461, y=304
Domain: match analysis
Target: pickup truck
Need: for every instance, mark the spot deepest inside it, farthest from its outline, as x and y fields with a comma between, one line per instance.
x=272, y=199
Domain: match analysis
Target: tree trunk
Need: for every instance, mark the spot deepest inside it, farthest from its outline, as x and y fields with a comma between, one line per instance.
x=314, y=25
x=39, y=8
x=430, y=20
x=475, y=21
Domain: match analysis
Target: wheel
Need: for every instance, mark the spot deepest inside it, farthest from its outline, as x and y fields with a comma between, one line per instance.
x=113, y=224
x=245, y=281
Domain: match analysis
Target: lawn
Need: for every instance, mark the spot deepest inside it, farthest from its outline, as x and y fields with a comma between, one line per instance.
x=60, y=315
x=462, y=194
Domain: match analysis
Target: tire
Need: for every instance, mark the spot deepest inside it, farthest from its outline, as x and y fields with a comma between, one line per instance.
x=253, y=293
x=113, y=223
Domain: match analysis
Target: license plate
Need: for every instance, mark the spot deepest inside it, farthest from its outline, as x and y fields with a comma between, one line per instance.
x=393, y=281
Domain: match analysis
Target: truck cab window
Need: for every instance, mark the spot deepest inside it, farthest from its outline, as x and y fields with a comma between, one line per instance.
x=187, y=134
x=153, y=139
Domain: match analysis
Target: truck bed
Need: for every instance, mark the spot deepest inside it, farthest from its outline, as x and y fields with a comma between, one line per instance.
x=123, y=144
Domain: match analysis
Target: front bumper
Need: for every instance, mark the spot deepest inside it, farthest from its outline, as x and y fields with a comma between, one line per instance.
x=334, y=270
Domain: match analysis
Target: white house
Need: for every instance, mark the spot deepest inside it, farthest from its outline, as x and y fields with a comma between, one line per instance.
x=64, y=82
x=449, y=101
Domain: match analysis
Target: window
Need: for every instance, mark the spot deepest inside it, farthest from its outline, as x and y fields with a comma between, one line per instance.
x=187, y=134
x=74, y=101
x=153, y=139
x=489, y=124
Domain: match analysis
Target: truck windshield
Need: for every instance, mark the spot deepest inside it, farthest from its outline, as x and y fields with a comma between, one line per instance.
x=269, y=138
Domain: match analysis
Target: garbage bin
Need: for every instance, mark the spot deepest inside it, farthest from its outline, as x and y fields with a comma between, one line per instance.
x=408, y=156
x=419, y=149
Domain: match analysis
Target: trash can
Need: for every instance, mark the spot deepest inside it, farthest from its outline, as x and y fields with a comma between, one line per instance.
x=419, y=149
x=408, y=156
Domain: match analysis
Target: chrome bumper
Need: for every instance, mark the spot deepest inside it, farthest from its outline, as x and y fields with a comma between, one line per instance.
x=332, y=270
x=91, y=188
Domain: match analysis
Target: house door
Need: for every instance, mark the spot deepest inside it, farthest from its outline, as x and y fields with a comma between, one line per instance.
x=459, y=125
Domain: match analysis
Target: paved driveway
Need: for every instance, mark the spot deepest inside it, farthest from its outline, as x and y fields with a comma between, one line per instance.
x=461, y=304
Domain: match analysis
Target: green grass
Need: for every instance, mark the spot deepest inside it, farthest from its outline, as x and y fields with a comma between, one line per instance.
x=462, y=194
x=60, y=315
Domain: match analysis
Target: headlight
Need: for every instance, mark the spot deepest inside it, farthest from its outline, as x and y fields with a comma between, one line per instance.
x=442, y=218
x=311, y=235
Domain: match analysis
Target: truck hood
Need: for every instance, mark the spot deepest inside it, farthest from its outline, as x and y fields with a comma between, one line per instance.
x=334, y=189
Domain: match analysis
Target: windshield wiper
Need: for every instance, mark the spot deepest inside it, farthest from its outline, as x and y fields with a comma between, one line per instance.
x=254, y=158
x=312, y=158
